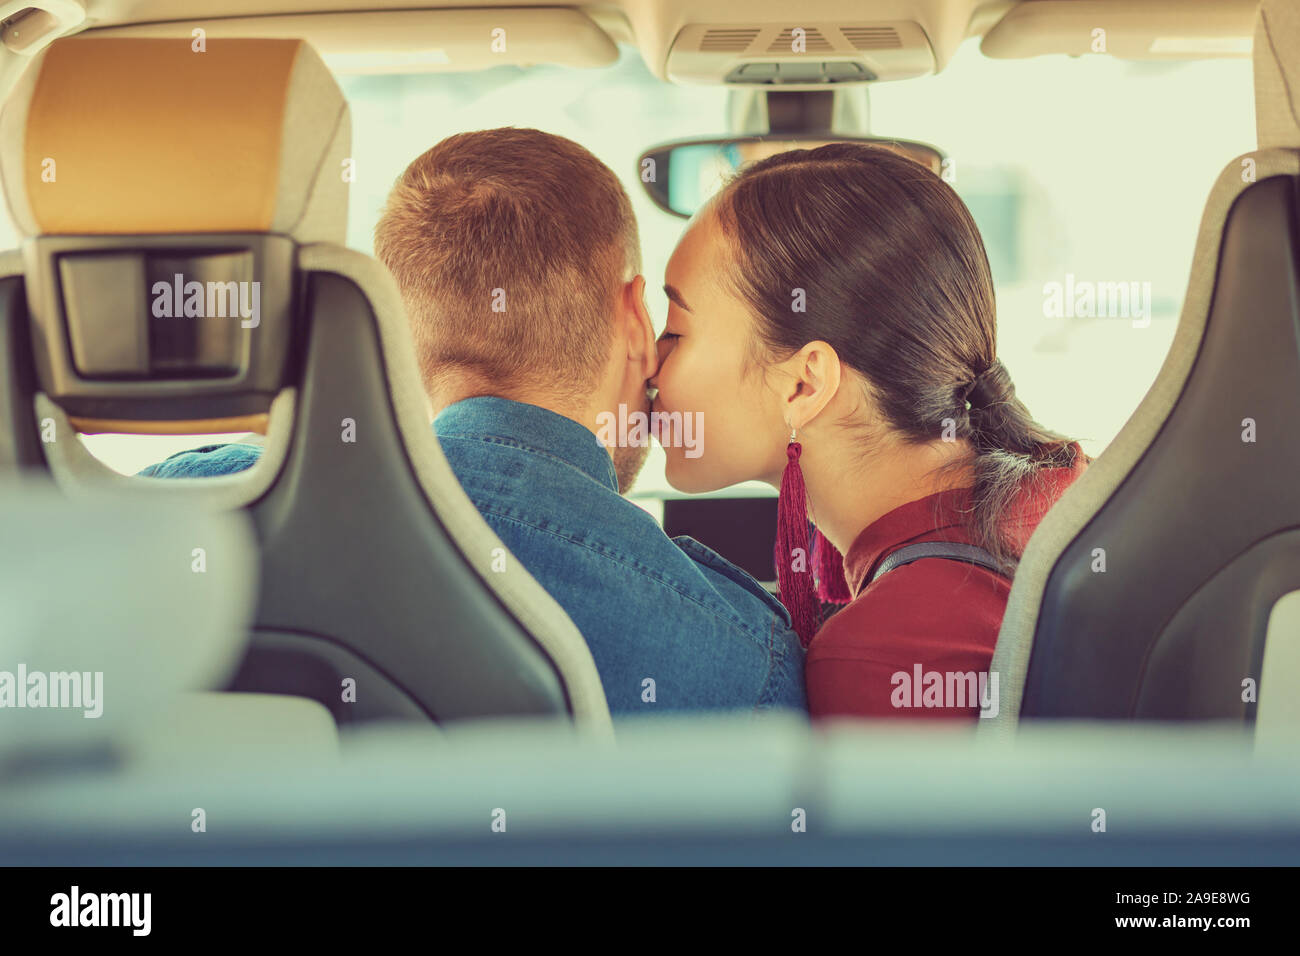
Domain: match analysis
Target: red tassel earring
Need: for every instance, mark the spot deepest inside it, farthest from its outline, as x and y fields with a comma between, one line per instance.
x=793, y=571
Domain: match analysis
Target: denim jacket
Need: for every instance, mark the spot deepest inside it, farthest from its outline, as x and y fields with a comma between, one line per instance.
x=672, y=626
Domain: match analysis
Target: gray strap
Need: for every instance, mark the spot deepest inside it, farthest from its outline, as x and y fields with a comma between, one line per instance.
x=953, y=550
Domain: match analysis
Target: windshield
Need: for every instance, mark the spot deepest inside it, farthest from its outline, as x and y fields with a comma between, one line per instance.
x=1077, y=170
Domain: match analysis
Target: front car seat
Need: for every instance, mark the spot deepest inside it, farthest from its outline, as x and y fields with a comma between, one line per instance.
x=127, y=162
x=1194, y=507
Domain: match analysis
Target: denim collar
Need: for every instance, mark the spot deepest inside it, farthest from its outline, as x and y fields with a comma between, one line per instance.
x=532, y=428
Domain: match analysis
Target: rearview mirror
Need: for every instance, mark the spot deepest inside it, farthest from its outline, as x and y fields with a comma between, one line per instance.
x=680, y=177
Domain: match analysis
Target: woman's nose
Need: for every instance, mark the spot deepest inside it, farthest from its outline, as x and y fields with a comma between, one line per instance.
x=662, y=348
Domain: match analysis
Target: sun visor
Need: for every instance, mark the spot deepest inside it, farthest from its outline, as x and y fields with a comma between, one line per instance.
x=1149, y=30
x=419, y=41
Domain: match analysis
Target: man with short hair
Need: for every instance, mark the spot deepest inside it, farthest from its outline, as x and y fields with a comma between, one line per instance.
x=517, y=256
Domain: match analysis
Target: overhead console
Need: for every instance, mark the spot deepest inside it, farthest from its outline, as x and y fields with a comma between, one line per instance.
x=799, y=56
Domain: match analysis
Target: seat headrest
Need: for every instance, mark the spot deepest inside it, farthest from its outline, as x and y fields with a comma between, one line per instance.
x=1277, y=74
x=132, y=136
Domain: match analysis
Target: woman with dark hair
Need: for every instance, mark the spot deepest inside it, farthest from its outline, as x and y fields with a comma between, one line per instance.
x=832, y=323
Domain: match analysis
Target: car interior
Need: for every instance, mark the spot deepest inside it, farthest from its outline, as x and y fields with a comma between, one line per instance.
x=219, y=137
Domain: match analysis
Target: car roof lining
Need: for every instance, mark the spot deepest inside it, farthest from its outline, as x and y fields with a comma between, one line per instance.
x=1020, y=27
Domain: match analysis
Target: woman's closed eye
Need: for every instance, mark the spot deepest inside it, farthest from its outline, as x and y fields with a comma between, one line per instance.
x=666, y=343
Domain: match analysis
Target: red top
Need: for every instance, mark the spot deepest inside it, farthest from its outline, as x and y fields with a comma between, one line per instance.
x=933, y=616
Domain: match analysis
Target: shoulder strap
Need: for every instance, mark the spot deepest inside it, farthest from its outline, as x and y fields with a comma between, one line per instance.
x=953, y=550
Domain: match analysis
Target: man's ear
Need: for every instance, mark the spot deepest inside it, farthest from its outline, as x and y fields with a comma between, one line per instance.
x=640, y=330
x=811, y=377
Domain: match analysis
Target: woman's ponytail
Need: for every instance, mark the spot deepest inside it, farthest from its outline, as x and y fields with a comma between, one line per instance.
x=1011, y=451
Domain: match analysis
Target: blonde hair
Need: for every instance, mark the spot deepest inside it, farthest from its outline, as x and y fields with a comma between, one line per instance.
x=510, y=247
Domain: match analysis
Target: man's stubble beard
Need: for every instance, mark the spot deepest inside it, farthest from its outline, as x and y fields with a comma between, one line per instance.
x=630, y=459
x=628, y=462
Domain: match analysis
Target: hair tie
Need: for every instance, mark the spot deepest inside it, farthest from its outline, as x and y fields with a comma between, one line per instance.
x=981, y=391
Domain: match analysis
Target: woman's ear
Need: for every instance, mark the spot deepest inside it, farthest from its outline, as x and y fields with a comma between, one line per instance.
x=811, y=379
